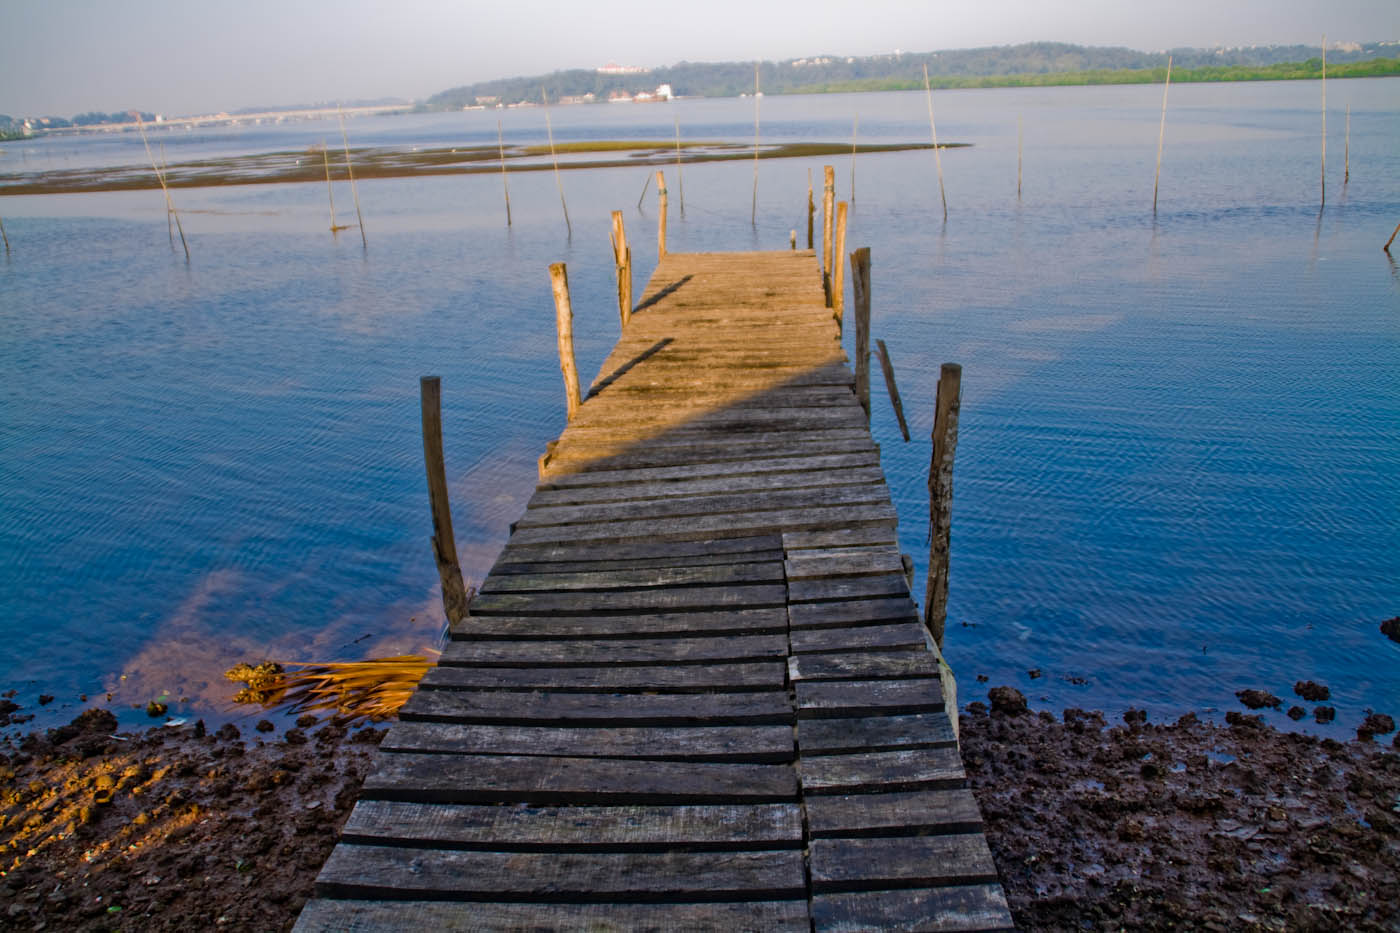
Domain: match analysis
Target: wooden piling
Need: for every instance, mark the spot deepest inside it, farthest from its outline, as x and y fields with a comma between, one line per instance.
x=887, y=367
x=860, y=288
x=350, y=171
x=828, y=206
x=505, y=182
x=558, y=179
x=454, y=590
x=564, y=320
x=645, y=185
x=330, y=188
x=838, y=277
x=811, y=208
x=792, y=240
x=937, y=159
x=940, y=490
x=661, y=219
x=1161, y=134
x=622, y=258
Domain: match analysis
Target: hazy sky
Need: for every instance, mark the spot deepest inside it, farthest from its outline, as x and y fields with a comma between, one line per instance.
x=187, y=56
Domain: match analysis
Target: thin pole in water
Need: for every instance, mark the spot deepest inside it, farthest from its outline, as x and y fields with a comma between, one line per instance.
x=680, y=179
x=330, y=189
x=505, y=182
x=454, y=591
x=753, y=212
x=1386, y=247
x=937, y=160
x=646, y=184
x=1161, y=134
x=1020, y=139
x=350, y=171
x=165, y=170
x=160, y=177
x=1324, y=119
x=4, y=237
x=1346, y=150
x=855, y=130
x=549, y=128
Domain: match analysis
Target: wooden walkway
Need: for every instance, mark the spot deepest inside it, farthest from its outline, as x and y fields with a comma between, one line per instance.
x=693, y=692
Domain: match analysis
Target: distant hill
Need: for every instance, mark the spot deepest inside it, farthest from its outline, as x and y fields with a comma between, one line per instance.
x=1032, y=63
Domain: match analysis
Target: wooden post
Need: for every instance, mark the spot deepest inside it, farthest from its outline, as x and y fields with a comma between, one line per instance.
x=860, y=287
x=564, y=319
x=940, y=491
x=1161, y=134
x=811, y=208
x=753, y=213
x=622, y=258
x=160, y=177
x=828, y=205
x=887, y=367
x=838, y=279
x=505, y=181
x=661, y=221
x=792, y=240
x=645, y=185
x=454, y=591
x=330, y=188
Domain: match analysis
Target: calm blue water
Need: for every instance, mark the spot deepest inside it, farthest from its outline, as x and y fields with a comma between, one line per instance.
x=1179, y=467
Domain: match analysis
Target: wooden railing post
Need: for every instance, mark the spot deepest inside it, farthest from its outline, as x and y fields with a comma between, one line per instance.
x=454, y=591
x=811, y=208
x=860, y=287
x=622, y=258
x=940, y=492
x=661, y=221
x=838, y=281
x=828, y=202
x=564, y=318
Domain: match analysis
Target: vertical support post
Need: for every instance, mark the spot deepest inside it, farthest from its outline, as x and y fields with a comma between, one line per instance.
x=454, y=591
x=838, y=280
x=564, y=319
x=661, y=221
x=892, y=389
x=940, y=491
x=792, y=240
x=860, y=286
x=622, y=258
x=828, y=204
x=811, y=208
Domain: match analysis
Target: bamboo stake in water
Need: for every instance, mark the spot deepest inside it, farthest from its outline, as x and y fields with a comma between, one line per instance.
x=505, y=182
x=680, y=179
x=855, y=130
x=1324, y=119
x=1346, y=150
x=860, y=290
x=753, y=212
x=564, y=320
x=6, y=238
x=645, y=185
x=454, y=591
x=1020, y=138
x=350, y=171
x=160, y=177
x=1161, y=134
x=937, y=160
x=330, y=191
x=558, y=179
x=1386, y=247
x=165, y=170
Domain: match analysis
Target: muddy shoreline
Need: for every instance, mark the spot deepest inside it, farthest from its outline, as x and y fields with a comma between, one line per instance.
x=1093, y=826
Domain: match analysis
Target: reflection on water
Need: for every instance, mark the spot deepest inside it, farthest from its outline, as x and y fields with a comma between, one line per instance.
x=1178, y=470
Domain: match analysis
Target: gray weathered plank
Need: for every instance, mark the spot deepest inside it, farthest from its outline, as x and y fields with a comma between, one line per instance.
x=758, y=744
x=852, y=612
x=855, y=698
x=610, y=678
x=868, y=772
x=705, y=526
x=893, y=584
x=771, y=619
x=640, y=600
x=867, y=665
x=596, y=709
x=905, y=635
x=648, y=577
x=913, y=813
x=954, y=909
x=682, y=506
x=881, y=863
x=638, y=651
x=642, y=492
x=875, y=733
x=572, y=550
x=844, y=562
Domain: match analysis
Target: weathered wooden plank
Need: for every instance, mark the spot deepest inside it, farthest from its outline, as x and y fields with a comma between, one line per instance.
x=676, y=678
x=848, y=699
x=701, y=444
x=504, y=828
x=614, y=601
x=560, y=877
x=536, y=779
x=605, y=413
x=863, y=666
x=954, y=909
x=913, y=813
x=683, y=506
x=900, y=861
x=904, y=636
x=844, y=562
x=736, y=523
x=837, y=537
x=770, y=744
x=802, y=463
x=580, y=566
x=639, y=493
x=875, y=734
x=768, y=620
x=565, y=551
x=916, y=769
x=324, y=915
x=641, y=651
x=646, y=577
x=852, y=612
x=610, y=454
x=596, y=709
x=893, y=584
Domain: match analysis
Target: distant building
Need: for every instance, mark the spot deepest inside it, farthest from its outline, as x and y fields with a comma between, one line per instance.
x=612, y=68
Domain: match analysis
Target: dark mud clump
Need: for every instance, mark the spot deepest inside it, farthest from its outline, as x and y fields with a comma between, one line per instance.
x=1230, y=828
x=1375, y=724
x=1390, y=628
x=1258, y=699
x=170, y=829
x=1007, y=700
x=1312, y=691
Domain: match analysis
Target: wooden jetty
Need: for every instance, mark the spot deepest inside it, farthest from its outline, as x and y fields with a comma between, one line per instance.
x=693, y=693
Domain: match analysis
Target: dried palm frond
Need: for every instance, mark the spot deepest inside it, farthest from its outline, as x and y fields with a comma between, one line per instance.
x=372, y=689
